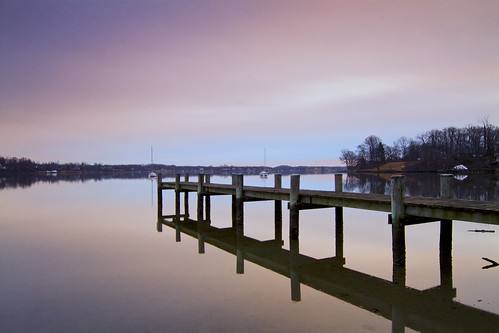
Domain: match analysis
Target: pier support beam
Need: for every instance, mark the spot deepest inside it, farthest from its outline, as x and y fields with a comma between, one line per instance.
x=338, y=187
x=398, y=228
x=294, y=213
x=278, y=209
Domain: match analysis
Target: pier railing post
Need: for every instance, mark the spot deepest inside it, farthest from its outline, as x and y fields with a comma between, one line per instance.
x=293, y=207
x=398, y=228
x=338, y=187
x=278, y=209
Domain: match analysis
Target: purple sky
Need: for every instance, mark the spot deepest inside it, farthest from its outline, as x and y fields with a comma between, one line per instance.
x=215, y=82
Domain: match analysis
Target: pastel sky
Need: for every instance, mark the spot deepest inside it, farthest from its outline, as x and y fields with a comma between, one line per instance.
x=212, y=82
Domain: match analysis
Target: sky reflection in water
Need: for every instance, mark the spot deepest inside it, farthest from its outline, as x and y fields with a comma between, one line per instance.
x=87, y=257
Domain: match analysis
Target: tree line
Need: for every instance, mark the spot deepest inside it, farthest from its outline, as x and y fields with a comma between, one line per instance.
x=474, y=146
x=13, y=165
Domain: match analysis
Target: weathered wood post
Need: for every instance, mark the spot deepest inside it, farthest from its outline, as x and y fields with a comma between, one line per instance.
x=398, y=228
x=234, y=205
x=159, y=186
x=293, y=207
x=239, y=199
x=278, y=209
x=207, y=201
x=186, y=197
x=200, y=197
x=338, y=187
x=446, y=192
x=239, y=183
x=177, y=197
x=398, y=248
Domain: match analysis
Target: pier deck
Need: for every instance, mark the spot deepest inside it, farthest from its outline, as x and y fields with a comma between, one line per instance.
x=431, y=208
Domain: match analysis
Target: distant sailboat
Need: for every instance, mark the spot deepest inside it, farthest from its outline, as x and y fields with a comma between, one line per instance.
x=152, y=175
x=264, y=173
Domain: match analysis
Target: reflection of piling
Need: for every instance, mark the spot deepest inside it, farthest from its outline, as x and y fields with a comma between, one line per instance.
x=398, y=292
x=338, y=187
x=240, y=248
x=294, y=214
x=446, y=192
x=294, y=254
x=398, y=229
x=278, y=209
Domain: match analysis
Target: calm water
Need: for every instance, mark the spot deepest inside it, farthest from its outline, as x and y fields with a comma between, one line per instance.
x=87, y=257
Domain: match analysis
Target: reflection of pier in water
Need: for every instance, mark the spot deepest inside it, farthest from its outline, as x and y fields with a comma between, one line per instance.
x=423, y=310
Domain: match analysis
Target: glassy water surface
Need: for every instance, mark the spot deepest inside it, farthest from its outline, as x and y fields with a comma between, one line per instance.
x=90, y=257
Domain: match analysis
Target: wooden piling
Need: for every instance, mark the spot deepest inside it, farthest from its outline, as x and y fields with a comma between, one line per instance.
x=239, y=199
x=445, y=245
x=293, y=207
x=398, y=228
x=159, y=186
x=186, y=196
x=338, y=187
x=177, y=198
x=278, y=209
x=207, y=201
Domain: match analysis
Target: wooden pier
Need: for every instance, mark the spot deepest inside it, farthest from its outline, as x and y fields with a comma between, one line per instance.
x=414, y=209
x=403, y=210
x=432, y=309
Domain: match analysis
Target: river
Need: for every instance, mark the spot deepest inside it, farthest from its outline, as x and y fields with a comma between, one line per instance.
x=89, y=256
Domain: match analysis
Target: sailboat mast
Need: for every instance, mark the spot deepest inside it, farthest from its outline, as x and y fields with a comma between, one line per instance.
x=264, y=157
